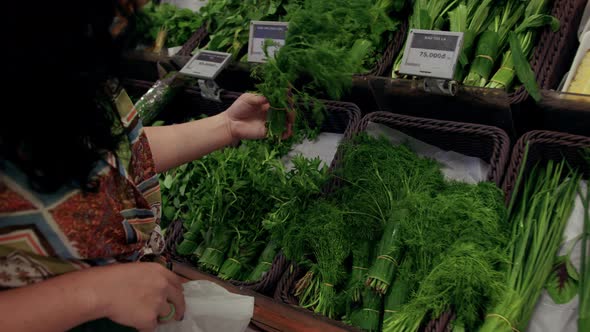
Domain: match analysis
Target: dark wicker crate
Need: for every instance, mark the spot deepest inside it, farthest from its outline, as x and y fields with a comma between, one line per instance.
x=488, y=143
x=545, y=146
x=553, y=55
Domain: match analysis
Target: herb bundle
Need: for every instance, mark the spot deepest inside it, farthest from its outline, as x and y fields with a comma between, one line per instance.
x=488, y=27
x=538, y=214
x=396, y=232
x=227, y=199
x=327, y=43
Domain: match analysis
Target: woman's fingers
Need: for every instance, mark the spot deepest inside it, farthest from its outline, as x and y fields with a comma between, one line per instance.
x=176, y=297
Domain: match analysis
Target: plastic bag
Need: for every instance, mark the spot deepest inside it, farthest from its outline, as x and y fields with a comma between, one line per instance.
x=211, y=308
x=455, y=166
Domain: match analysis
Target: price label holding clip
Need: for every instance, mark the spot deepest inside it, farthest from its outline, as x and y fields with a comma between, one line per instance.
x=260, y=32
x=432, y=54
x=206, y=65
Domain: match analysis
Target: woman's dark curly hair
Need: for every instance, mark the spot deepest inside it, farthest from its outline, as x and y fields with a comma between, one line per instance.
x=60, y=55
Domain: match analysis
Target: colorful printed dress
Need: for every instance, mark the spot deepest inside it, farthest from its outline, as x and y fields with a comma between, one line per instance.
x=44, y=235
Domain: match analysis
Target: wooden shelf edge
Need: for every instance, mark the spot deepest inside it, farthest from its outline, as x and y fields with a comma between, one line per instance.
x=269, y=314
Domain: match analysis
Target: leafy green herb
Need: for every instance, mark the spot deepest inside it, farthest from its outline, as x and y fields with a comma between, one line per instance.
x=538, y=214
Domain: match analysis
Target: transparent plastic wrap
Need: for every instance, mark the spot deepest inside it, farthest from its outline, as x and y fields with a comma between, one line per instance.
x=157, y=98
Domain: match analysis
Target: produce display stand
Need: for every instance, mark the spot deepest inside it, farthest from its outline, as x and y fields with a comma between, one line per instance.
x=551, y=59
x=488, y=143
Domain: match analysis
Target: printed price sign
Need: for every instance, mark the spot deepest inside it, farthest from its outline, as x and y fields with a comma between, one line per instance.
x=206, y=64
x=432, y=54
x=260, y=32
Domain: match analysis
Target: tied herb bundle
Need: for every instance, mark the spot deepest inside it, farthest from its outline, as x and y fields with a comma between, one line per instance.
x=319, y=235
x=453, y=242
x=526, y=31
x=225, y=199
x=538, y=214
x=448, y=242
x=327, y=43
x=492, y=28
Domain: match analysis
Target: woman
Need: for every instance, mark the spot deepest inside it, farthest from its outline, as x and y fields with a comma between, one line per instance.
x=79, y=192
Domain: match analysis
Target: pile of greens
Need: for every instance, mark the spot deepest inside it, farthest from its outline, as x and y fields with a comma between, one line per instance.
x=179, y=24
x=493, y=28
x=397, y=232
x=226, y=197
x=327, y=43
x=538, y=213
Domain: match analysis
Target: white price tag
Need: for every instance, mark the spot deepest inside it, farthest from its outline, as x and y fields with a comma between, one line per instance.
x=432, y=54
x=206, y=64
x=260, y=32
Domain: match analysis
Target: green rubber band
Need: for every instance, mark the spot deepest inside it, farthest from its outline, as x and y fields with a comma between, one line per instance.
x=170, y=315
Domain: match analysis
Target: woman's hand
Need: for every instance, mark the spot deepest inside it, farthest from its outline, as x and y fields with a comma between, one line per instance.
x=246, y=118
x=175, y=145
x=136, y=294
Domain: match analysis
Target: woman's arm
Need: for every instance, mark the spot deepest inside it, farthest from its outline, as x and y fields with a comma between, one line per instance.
x=132, y=294
x=178, y=144
x=57, y=304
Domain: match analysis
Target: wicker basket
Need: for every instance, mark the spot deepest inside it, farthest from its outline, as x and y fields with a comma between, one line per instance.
x=194, y=41
x=545, y=146
x=488, y=143
x=554, y=52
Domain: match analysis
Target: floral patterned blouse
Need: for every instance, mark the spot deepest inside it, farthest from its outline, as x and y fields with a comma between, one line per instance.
x=44, y=235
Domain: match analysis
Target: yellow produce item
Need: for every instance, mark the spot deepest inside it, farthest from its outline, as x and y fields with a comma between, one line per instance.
x=581, y=82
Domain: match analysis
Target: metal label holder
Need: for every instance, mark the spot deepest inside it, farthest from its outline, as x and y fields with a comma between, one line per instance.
x=205, y=66
x=210, y=90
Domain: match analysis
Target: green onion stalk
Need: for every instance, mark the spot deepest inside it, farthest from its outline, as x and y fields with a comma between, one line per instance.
x=534, y=18
x=491, y=43
x=427, y=15
x=538, y=214
x=264, y=262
